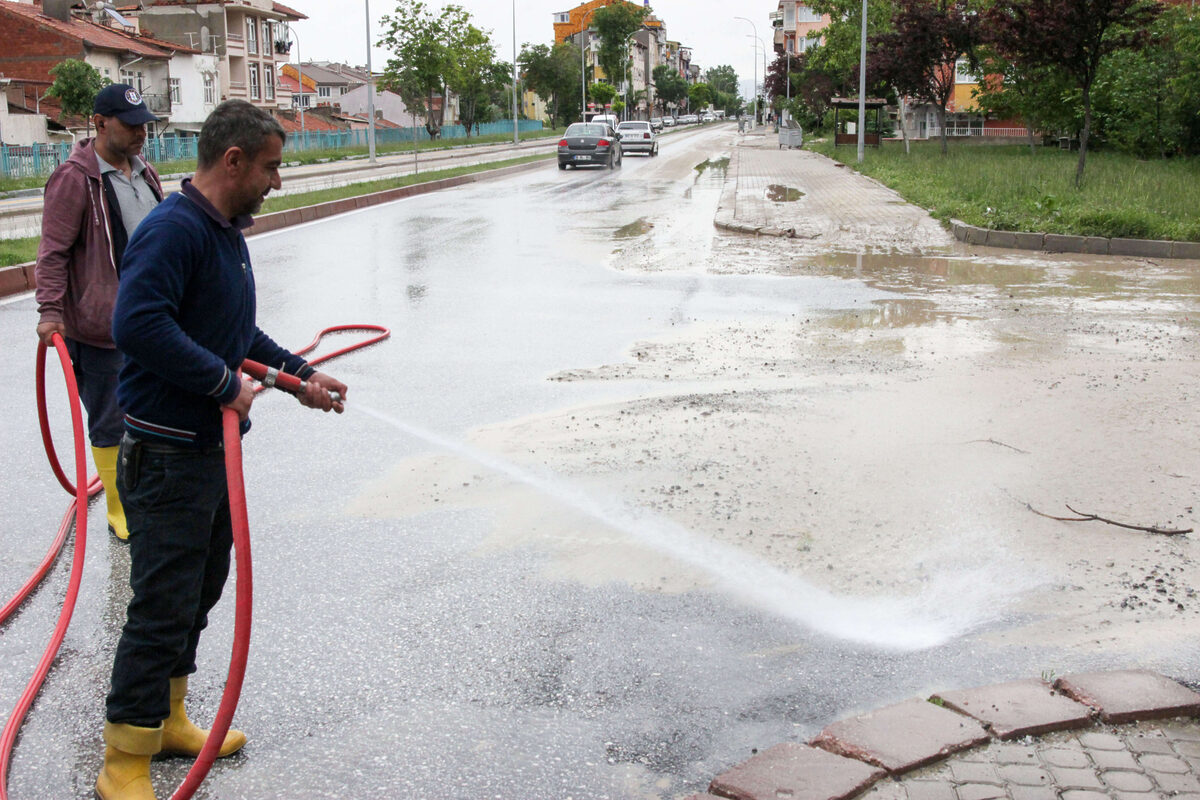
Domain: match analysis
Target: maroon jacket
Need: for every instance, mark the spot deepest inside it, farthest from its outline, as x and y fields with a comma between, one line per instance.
x=76, y=269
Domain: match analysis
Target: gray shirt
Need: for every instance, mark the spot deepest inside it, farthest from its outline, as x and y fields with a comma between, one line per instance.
x=134, y=195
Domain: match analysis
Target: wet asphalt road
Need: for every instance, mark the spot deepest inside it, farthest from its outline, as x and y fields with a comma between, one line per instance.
x=389, y=659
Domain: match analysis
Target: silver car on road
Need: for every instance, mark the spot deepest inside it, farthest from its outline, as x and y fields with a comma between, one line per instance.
x=638, y=136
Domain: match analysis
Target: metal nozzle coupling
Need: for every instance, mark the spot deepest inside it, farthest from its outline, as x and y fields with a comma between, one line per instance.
x=335, y=397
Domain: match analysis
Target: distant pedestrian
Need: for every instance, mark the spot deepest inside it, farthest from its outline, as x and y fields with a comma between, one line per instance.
x=185, y=320
x=92, y=205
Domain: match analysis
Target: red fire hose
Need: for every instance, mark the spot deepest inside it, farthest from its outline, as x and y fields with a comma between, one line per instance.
x=82, y=489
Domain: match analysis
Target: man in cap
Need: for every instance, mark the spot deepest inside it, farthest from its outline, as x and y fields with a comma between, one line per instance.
x=93, y=202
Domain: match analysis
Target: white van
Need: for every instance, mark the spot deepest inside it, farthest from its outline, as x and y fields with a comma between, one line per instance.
x=611, y=119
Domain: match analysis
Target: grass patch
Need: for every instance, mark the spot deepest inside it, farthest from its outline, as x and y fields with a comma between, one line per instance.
x=1004, y=187
x=18, y=251
x=301, y=199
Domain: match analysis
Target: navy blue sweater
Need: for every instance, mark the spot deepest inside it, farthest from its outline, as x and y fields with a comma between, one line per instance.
x=184, y=319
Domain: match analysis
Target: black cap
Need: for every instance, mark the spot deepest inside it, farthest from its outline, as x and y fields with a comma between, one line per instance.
x=122, y=101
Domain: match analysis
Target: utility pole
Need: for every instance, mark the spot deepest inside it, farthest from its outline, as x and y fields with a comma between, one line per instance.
x=862, y=89
x=516, y=138
x=371, y=88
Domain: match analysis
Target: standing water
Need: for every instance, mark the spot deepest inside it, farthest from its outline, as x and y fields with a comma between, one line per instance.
x=898, y=623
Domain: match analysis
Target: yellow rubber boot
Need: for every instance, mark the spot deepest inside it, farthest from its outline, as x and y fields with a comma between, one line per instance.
x=126, y=771
x=106, y=465
x=182, y=738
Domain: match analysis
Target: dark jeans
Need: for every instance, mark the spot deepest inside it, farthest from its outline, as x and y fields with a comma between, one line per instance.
x=96, y=371
x=178, y=509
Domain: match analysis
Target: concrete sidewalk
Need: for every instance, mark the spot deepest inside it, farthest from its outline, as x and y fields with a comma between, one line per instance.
x=839, y=209
x=1128, y=735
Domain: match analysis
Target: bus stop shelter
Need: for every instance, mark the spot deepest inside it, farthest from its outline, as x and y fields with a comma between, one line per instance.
x=872, y=104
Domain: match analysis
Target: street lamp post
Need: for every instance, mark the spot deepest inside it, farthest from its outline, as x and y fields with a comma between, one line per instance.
x=300, y=80
x=514, y=84
x=862, y=88
x=370, y=89
x=754, y=86
x=764, y=54
x=582, y=65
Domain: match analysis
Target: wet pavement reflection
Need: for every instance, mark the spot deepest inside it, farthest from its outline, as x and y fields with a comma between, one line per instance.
x=395, y=652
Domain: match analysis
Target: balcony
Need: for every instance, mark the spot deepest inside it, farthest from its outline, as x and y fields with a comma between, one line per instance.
x=235, y=45
x=158, y=104
x=776, y=18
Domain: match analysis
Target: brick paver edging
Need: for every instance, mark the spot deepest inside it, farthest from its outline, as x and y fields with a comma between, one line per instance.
x=1059, y=243
x=849, y=756
x=19, y=278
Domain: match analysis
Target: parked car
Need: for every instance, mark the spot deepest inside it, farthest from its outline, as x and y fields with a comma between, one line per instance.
x=656, y=123
x=638, y=137
x=688, y=119
x=708, y=118
x=669, y=122
x=589, y=143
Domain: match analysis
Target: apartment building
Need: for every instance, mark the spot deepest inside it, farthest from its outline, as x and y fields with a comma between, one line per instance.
x=248, y=39
x=797, y=26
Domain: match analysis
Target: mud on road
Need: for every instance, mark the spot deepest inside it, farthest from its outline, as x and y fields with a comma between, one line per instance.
x=893, y=452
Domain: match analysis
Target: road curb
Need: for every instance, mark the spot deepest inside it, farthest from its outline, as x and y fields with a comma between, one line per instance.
x=20, y=277
x=849, y=756
x=1062, y=243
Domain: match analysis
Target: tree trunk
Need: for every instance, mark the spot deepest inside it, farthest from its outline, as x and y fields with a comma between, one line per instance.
x=1083, y=134
x=1029, y=130
x=942, y=123
x=903, y=127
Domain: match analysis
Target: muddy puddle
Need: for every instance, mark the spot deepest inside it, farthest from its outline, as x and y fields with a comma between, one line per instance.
x=778, y=193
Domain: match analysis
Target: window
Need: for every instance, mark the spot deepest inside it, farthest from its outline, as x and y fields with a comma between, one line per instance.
x=269, y=82
x=134, y=79
x=176, y=92
x=210, y=90
x=266, y=38
x=962, y=72
x=789, y=17
x=806, y=14
x=564, y=17
x=254, y=82
x=322, y=91
x=251, y=35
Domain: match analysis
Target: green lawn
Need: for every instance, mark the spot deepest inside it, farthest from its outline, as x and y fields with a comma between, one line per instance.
x=1006, y=188
x=19, y=251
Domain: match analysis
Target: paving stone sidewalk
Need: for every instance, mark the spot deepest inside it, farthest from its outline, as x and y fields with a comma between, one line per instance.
x=839, y=210
x=1122, y=735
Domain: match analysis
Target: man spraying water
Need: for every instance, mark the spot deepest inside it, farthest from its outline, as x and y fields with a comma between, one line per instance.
x=185, y=320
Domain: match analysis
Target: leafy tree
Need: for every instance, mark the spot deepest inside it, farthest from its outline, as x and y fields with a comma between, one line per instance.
x=477, y=78
x=76, y=84
x=722, y=79
x=1038, y=96
x=554, y=74
x=602, y=93
x=1073, y=36
x=1142, y=103
x=425, y=52
x=669, y=85
x=838, y=56
x=615, y=24
x=918, y=56
x=699, y=96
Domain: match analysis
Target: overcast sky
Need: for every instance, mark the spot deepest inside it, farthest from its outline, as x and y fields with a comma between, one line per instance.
x=336, y=29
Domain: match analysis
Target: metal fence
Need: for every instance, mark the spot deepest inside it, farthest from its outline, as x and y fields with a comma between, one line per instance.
x=23, y=161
